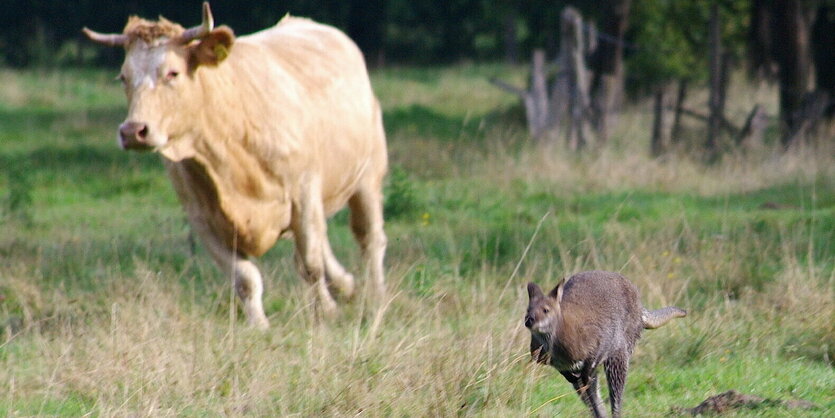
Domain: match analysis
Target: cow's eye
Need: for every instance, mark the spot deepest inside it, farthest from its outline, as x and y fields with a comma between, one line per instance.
x=172, y=74
x=545, y=311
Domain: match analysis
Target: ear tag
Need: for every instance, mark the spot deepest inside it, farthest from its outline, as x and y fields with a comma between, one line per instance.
x=220, y=52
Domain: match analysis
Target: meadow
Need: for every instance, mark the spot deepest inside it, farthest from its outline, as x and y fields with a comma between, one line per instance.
x=109, y=308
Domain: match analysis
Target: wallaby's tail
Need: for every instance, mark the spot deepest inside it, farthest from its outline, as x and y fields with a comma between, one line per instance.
x=659, y=317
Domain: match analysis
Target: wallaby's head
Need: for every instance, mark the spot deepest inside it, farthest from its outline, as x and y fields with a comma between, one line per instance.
x=543, y=310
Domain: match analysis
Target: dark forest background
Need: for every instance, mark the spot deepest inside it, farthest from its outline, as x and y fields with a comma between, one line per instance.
x=652, y=44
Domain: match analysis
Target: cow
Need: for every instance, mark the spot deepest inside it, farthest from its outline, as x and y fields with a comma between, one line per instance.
x=263, y=136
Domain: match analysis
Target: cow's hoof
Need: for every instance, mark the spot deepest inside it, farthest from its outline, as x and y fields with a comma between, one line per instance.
x=342, y=287
x=261, y=324
x=328, y=309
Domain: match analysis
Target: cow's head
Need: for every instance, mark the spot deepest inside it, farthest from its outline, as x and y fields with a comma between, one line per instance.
x=159, y=76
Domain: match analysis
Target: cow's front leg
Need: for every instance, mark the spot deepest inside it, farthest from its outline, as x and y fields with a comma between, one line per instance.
x=249, y=287
x=245, y=277
x=310, y=230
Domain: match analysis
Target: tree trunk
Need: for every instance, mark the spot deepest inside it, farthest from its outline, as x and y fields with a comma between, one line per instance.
x=607, y=64
x=538, y=121
x=793, y=57
x=760, y=61
x=658, y=145
x=751, y=134
x=510, y=38
x=675, y=134
x=823, y=54
x=572, y=33
x=366, y=26
x=716, y=96
x=535, y=99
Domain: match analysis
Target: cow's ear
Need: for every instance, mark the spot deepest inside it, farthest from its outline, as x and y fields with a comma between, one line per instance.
x=212, y=48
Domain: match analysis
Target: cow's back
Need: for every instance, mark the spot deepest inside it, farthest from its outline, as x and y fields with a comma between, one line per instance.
x=321, y=89
x=289, y=104
x=312, y=53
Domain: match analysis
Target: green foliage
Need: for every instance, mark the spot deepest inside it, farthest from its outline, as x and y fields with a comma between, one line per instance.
x=104, y=287
x=17, y=204
x=672, y=39
x=401, y=199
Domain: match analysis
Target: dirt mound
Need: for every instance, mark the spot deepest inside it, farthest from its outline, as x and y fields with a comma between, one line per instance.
x=730, y=400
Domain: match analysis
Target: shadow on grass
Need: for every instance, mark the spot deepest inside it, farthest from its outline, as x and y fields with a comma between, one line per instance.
x=422, y=121
x=22, y=125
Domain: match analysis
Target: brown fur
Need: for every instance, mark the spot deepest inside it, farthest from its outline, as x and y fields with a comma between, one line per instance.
x=148, y=31
x=264, y=136
x=590, y=318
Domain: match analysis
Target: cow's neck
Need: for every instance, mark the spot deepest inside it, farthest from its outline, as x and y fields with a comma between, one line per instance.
x=221, y=108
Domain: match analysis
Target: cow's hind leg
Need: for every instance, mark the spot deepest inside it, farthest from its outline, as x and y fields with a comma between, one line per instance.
x=310, y=231
x=338, y=279
x=367, y=225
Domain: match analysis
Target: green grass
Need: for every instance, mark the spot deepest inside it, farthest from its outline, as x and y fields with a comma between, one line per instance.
x=106, y=308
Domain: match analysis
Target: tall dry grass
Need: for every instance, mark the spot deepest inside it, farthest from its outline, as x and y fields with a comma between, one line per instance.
x=152, y=337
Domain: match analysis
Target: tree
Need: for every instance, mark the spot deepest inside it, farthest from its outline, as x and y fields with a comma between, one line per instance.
x=366, y=23
x=672, y=40
x=823, y=54
x=607, y=65
x=794, y=61
x=760, y=60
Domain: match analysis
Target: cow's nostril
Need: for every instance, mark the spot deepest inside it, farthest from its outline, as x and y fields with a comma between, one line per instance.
x=143, y=132
x=134, y=135
x=528, y=322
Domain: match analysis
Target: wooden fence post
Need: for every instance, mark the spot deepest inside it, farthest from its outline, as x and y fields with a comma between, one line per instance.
x=572, y=32
x=539, y=95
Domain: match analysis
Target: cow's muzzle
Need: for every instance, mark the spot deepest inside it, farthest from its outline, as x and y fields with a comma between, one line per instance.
x=134, y=136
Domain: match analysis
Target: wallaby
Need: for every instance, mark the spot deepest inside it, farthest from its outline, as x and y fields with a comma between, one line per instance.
x=590, y=318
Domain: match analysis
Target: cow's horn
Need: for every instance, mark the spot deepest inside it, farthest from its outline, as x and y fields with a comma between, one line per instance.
x=204, y=28
x=109, y=39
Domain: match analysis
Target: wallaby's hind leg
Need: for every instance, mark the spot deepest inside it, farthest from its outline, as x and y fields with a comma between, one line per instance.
x=616, y=368
x=585, y=383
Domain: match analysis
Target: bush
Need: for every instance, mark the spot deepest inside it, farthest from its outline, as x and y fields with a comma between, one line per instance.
x=400, y=197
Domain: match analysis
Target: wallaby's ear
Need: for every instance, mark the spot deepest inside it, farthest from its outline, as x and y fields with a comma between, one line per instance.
x=556, y=292
x=534, y=290
x=212, y=48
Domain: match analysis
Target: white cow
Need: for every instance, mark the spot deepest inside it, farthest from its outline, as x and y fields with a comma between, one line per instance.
x=263, y=136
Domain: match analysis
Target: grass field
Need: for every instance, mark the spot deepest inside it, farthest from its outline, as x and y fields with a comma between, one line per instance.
x=108, y=309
